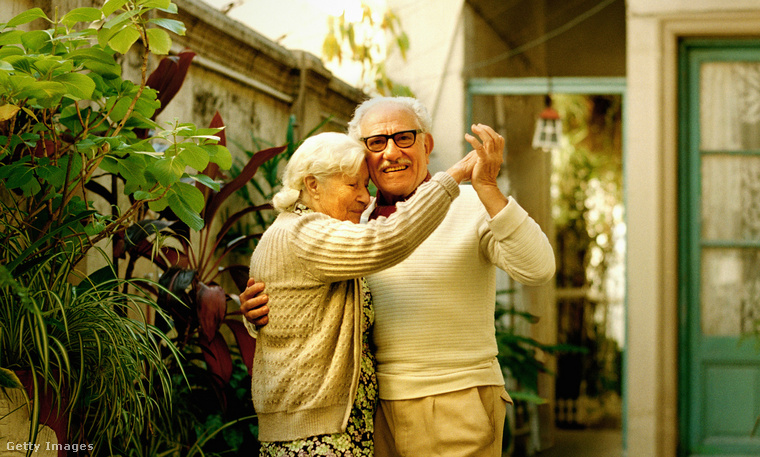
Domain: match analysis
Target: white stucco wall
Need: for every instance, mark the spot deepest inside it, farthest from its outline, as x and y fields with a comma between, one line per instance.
x=433, y=70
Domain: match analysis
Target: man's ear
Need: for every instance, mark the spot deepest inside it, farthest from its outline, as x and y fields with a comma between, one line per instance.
x=311, y=185
x=428, y=145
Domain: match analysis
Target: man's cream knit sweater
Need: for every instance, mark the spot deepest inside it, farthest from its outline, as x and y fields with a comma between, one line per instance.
x=306, y=367
x=434, y=312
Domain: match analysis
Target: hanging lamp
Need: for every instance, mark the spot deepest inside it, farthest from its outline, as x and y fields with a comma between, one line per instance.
x=548, y=133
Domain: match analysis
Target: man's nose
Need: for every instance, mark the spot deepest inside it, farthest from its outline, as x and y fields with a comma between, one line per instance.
x=391, y=151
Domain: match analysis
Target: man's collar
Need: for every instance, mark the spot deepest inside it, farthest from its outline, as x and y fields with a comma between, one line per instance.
x=384, y=208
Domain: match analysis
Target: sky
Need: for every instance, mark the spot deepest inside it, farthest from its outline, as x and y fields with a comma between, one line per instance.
x=298, y=24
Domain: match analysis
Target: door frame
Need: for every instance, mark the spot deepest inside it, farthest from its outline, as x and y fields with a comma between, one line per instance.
x=575, y=86
x=689, y=226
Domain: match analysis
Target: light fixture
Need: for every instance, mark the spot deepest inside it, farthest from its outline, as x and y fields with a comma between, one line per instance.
x=548, y=133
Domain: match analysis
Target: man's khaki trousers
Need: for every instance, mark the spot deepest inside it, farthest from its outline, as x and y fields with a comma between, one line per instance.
x=465, y=423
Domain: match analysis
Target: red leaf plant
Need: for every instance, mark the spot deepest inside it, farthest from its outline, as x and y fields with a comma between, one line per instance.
x=190, y=292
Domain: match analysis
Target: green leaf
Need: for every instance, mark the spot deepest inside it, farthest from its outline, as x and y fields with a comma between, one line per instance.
x=206, y=181
x=11, y=37
x=43, y=91
x=9, y=379
x=189, y=194
x=146, y=104
x=112, y=5
x=23, y=178
x=194, y=156
x=79, y=86
x=52, y=174
x=143, y=195
x=106, y=33
x=172, y=25
x=91, y=53
x=183, y=199
x=27, y=17
x=163, y=4
x=159, y=41
x=105, y=70
x=30, y=113
x=219, y=155
x=94, y=228
x=120, y=108
x=20, y=64
x=35, y=40
x=122, y=41
x=132, y=168
x=98, y=60
x=158, y=205
x=121, y=20
x=86, y=14
x=403, y=44
x=9, y=53
x=46, y=66
x=167, y=171
x=171, y=9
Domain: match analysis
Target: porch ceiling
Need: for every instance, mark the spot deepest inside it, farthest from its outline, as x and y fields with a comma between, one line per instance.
x=564, y=27
x=503, y=15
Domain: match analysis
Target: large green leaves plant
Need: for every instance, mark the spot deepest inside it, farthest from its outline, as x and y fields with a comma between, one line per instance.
x=68, y=120
x=67, y=115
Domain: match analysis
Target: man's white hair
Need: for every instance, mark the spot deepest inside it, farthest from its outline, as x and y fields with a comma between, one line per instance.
x=410, y=103
x=321, y=156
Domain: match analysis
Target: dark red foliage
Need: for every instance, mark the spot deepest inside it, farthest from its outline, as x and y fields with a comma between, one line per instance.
x=168, y=77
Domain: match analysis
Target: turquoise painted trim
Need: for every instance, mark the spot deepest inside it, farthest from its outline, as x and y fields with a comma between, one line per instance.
x=739, y=244
x=540, y=86
x=693, y=228
x=684, y=253
x=731, y=153
x=566, y=85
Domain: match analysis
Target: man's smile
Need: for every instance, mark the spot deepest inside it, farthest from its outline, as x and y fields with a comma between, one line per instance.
x=393, y=168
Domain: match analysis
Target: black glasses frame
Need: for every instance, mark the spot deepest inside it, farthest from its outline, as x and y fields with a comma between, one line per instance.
x=392, y=136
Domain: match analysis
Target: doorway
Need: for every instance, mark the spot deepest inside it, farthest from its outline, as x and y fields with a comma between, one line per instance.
x=585, y=198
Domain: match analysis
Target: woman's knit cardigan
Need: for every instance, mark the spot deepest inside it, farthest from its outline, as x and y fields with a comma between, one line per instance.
x=306, y=367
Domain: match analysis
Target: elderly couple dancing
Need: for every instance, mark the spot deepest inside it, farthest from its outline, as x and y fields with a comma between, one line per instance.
x=375, y=319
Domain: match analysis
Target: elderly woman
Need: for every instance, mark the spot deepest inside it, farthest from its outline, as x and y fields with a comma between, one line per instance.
x=314, y=387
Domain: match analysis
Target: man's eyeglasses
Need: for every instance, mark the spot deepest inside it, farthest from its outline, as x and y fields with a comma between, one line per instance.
x=403, y=139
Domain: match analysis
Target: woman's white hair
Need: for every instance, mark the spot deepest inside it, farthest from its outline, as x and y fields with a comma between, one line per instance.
x=321, y=156
x=416, y=107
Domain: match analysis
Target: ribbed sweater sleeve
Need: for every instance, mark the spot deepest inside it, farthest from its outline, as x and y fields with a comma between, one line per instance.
x=336, y=251
x=514, y=242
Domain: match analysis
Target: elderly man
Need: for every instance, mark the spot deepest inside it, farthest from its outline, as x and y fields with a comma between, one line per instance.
x=441, y=387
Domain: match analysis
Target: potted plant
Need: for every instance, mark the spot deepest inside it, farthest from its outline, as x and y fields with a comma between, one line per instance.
x=67, y=119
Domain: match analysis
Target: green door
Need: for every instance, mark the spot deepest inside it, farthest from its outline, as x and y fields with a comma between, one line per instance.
x=719, y=176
